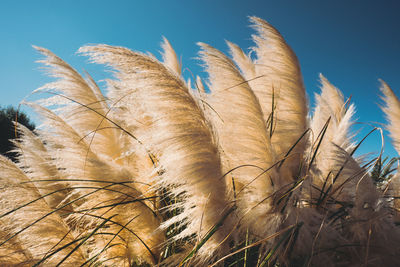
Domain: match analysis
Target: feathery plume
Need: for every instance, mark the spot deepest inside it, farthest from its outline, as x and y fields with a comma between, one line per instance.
x=331, y=107
x=12, y=253
x=81, y=103
x=243, y=61
x=281, y=93
x=155, y=169
x=35, y=160
x=29, y=223
x=102, y=190
x=392, y=112
x=178, y=136
x=246, y=146
x=169, y=57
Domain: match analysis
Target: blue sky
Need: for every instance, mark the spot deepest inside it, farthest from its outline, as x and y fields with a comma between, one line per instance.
x=353, y=43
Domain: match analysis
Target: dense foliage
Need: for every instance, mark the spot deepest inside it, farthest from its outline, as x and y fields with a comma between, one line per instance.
x=8, y=116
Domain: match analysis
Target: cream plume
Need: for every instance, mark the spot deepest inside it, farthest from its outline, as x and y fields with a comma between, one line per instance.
x=243, y=61
x=392, y=112
x=281, y=93
x=36, y=161
x=329, y=159
x=29, y=223
x=169, y=57
x=81, y=103
x=178, y=135
x=100, y=190
x=241, y=130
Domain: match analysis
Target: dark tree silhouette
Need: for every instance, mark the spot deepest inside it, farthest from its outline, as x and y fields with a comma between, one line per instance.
x=7, y=129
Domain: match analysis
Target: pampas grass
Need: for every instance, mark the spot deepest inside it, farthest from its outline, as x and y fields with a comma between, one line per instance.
x=392, y=111
x=178, y=136
x=231, y=173
x=281, y=93
x=243, y=138
x=331, y=108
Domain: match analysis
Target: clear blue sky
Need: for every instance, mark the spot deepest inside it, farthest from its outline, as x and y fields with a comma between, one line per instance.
x=353, y=43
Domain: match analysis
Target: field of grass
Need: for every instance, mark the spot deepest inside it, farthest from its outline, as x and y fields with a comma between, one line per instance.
x=235, y=170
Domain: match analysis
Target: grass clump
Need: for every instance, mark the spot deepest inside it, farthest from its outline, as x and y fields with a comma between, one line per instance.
x=157, y=173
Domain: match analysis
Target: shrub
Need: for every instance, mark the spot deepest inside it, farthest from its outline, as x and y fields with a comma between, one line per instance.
x=7, y=117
